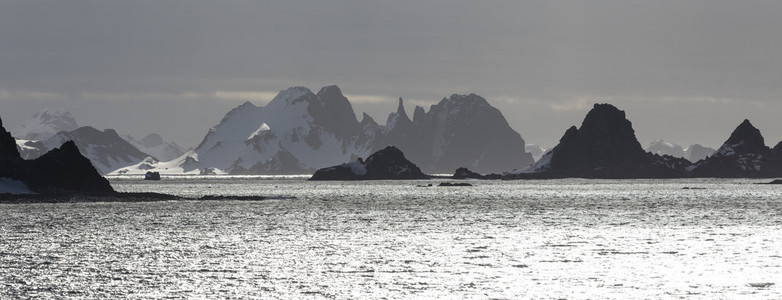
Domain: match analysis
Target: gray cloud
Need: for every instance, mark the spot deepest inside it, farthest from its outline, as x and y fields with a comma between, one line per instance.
x=687, y=71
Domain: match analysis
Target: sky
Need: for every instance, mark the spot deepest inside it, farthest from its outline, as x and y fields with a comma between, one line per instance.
x=684, y=71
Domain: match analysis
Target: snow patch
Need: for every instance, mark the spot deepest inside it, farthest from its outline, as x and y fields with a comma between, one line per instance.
x=728, y=150
x=541, y=165
x=264, y=127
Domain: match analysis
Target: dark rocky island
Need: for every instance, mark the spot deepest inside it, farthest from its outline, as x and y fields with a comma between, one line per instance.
x=389, y=163
x=743, y=155
x=60, y=175
x=604, y=147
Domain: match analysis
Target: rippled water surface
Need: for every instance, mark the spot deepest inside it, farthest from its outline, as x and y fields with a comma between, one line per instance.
x=574, y=239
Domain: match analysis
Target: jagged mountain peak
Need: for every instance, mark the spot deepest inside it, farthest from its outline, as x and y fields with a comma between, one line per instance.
x=744, y=154
x=333, y=111
x=398, y=119
x=289, y=96
x=330, y=91
x=608, y=127
x=744, y=139
x=778, y=147
x=367, y=120
x=604, y=146
x=400, y=109
x=322, y=129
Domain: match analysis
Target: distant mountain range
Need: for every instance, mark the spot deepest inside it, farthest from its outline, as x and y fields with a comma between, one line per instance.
x=693, y=153
x=300, y=131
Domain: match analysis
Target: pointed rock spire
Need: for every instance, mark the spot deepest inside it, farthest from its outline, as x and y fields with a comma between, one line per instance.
x=401, y=109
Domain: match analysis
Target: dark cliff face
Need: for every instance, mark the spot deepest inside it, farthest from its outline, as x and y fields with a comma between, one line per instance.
x=8, y=148
x=778, y=147
x=65, y=169
x=746, y=139
x=606, y=147
x=606, y=137
x=744, y=154
x=333, y=111
x=387, y=164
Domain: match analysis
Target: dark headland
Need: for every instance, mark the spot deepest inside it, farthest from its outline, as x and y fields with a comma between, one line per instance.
x=64, y=175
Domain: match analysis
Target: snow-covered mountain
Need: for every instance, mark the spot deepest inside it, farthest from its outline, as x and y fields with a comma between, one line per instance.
x=536, y=151
x=693, y=153
x=105, y=149
x=661, y=147
x=300, y=131
x=154, y=145
x=45, y=124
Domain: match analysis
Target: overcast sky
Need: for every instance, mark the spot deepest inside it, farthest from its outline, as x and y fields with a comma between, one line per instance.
x=684, y=71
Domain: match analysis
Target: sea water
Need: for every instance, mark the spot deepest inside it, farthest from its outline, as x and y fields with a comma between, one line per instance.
x=567, y=239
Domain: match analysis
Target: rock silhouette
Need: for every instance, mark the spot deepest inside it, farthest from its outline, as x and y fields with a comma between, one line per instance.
x=389, y=163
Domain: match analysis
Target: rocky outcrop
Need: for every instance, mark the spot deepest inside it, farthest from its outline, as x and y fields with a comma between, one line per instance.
x=604, y=147
x=778, y=147
x=744, y=154
x=152, y=176
x=387, y=164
